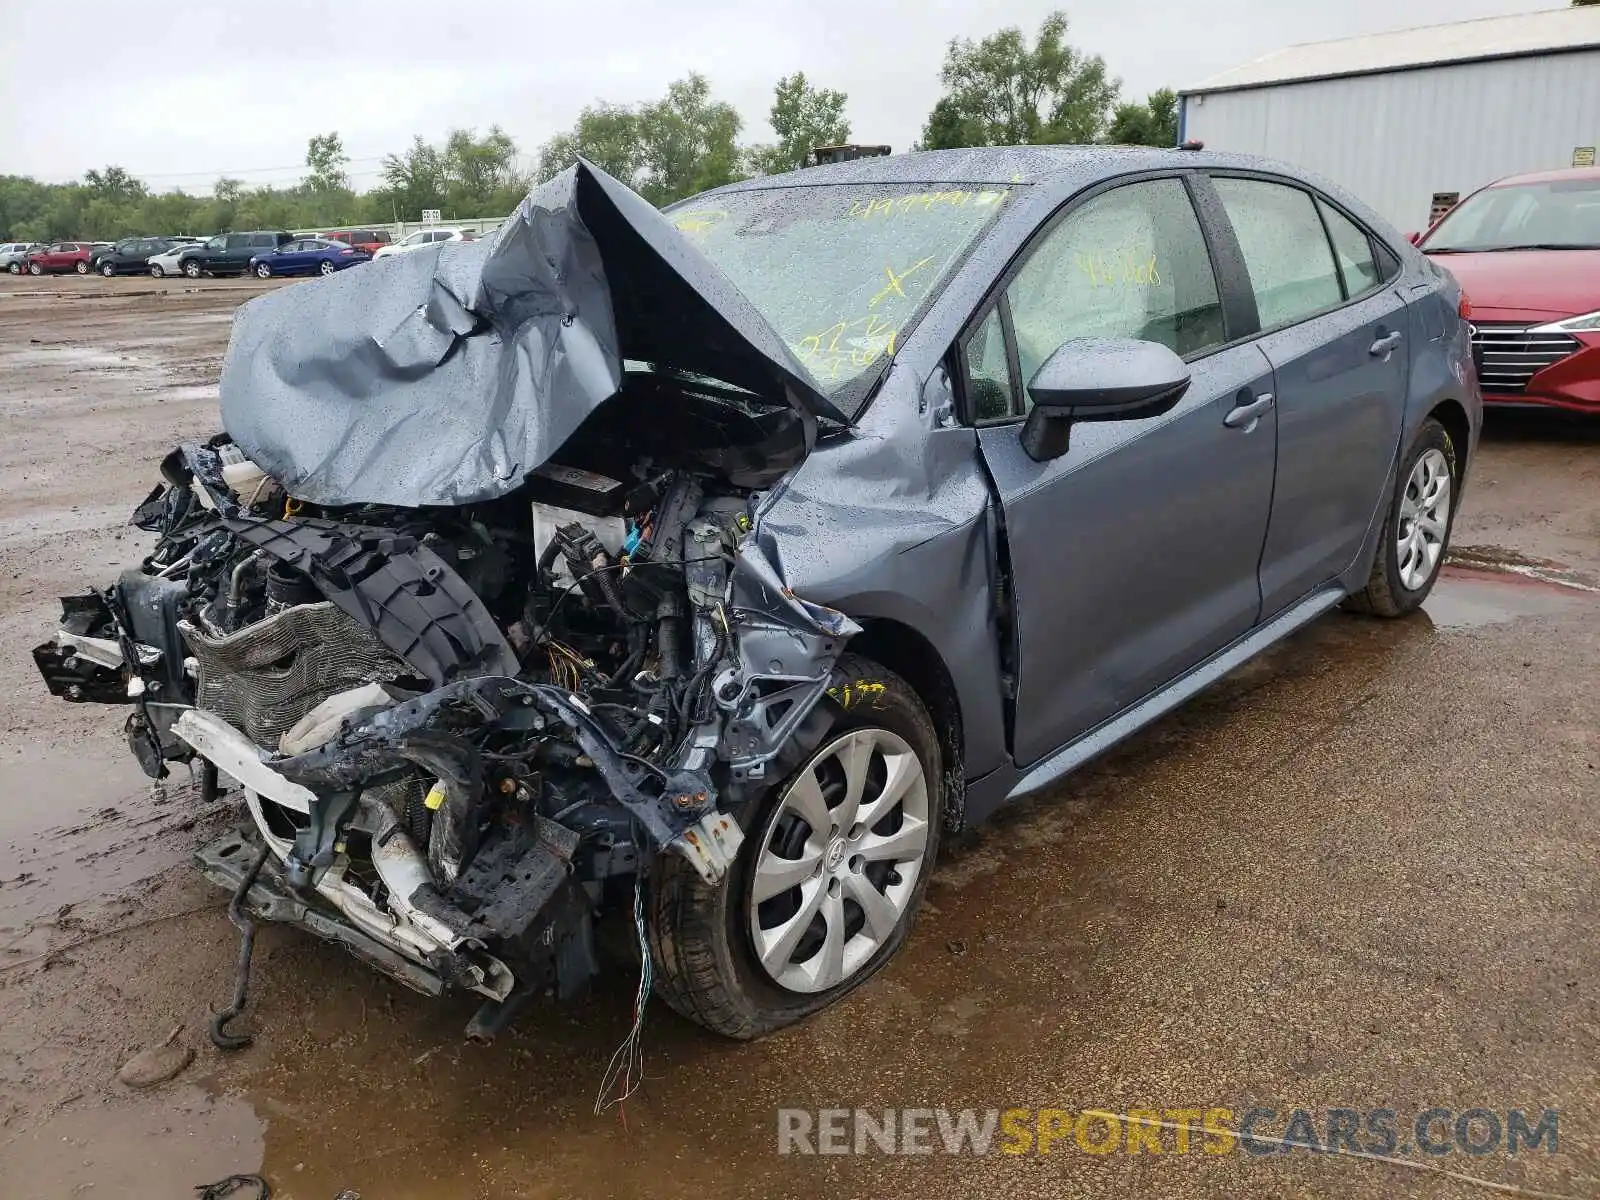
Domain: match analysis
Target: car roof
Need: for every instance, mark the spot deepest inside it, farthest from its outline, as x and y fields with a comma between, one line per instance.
x=1564, y=173
x=1005, y=165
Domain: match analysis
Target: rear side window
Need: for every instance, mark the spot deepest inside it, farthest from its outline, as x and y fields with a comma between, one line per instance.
x=1285, y=249
x=1353, y=250
x=238, y=241
x=264, y=239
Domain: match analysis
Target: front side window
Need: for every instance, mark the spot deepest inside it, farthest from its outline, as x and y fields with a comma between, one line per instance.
x=1130, y=263
x=416, y=239
x=989, y=388
x=1285, y=249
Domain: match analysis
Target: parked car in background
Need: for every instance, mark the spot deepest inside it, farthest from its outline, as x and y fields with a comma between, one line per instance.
x=13, y=255
x=307, y=256
x=132, y=255
x=421, y=238
x=370, y=240
x=166, y=262
x=60, y=257
x=1526, y=249
x=230, y=253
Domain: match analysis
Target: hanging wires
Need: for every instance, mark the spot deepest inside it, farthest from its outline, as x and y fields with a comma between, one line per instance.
x=625, y=1072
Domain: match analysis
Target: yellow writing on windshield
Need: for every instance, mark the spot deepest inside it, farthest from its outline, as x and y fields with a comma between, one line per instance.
x=697, y=222
x=893, y=287
x=1120, y=268
x=847, y=347
x=922, y=202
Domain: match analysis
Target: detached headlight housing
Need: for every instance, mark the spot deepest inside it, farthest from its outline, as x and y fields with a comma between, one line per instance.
x=1587, y=323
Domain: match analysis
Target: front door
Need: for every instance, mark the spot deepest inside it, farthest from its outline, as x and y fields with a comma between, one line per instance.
x=1341, y=397
x=1134, y=555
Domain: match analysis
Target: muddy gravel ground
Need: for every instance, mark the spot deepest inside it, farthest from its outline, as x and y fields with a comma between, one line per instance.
x=1361, y=873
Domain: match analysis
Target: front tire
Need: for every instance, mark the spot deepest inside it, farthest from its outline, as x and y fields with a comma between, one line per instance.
x=106, y=269
x=156, y=272
x=191, y=268
x=1416, y=532
x=15, y=268
x=35, y=269
x=828, y=881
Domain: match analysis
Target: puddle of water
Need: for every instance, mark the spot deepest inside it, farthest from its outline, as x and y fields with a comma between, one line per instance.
x=134, y=1147
x=1468, y=598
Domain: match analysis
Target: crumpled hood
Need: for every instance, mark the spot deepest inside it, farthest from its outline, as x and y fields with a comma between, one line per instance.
x=444, y=377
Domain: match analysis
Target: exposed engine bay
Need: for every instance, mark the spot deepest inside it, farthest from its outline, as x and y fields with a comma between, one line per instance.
x=461, y=733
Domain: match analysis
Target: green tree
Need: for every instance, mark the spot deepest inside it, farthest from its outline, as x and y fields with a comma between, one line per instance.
x=479, y=172
x=803, y=117
x=113, y=185
x=1153, y=123
x=605, y=134
x=415, y=179
x=326, y=161
x=688, y=142
x=1002, y=92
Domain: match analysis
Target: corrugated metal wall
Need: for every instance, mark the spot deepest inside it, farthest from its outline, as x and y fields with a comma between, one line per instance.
x=1396, y=139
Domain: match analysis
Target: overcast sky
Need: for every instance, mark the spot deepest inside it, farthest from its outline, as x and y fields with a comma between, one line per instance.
x=181, y=91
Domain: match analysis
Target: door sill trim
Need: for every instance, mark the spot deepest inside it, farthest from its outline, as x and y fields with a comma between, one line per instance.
x=1101, y=738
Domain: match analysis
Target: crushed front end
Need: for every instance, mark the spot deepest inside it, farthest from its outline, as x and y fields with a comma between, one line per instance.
x=460, y=734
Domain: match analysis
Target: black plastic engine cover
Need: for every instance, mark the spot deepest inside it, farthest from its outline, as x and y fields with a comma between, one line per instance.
x=405, y=593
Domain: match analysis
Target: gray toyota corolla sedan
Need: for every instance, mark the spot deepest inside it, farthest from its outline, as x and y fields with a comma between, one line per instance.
x=699, y=570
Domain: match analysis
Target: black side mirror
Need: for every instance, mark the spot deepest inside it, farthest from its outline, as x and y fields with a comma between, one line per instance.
x=1099, y=379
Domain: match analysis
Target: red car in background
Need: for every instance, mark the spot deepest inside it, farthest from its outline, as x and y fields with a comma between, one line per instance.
x=1526, y=250
x=60, y=256
x=370, y=240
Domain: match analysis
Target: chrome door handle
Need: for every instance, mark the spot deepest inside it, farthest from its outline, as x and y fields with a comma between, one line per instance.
x=1385, y=345
x=1245, y=416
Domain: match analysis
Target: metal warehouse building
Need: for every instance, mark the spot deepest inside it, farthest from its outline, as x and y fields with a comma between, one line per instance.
x=1411, y=120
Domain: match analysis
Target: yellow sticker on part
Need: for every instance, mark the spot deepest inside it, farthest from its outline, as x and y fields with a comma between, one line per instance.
x=435, y=798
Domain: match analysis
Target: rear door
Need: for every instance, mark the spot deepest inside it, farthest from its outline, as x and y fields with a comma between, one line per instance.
x=1134, y=554
x=1335, y=335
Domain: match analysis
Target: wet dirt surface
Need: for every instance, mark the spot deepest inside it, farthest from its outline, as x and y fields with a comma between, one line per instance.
x=1362, y=872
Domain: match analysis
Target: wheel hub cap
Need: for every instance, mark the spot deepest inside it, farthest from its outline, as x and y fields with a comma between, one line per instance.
x=1424, y=520
x=839, y=861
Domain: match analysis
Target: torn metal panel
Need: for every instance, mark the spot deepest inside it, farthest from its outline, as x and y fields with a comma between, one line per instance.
x=444, y=377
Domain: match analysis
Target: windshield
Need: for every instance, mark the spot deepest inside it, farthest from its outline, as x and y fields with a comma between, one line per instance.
x=1559, y=215
x=841, y=271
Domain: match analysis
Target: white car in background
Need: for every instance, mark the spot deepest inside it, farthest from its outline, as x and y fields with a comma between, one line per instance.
x=166, y=263
x=421, y=238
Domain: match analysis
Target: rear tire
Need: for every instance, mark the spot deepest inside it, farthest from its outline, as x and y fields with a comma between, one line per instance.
x=81, y=267
x=263, y=271
x=327, y=268
x=15, y=268
x=703, y=939
x=1416, y=531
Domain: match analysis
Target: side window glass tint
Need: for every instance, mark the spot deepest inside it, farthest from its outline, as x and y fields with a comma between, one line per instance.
x=990, y=393
x=238, y=241
x=1129, y=263
x=1353, y=249
x=1285, y=249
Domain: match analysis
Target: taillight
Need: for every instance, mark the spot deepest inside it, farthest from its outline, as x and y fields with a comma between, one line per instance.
x=347, y=252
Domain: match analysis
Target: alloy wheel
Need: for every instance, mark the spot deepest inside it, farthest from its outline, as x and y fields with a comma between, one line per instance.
x=839, y=860
x=83, y=267
x=156, y=271
x=107, y=270
x=263, y=271
x=327, y=268
x=1424, y=519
